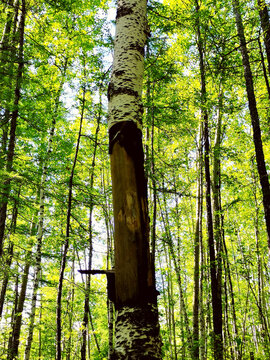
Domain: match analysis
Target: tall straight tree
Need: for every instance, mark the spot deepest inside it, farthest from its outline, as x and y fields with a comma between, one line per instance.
x=197, y=239
x=213, y=246
x=265, y=24
x=67, y=241
x=255, y=121
x=137, y=328
x=13, y=125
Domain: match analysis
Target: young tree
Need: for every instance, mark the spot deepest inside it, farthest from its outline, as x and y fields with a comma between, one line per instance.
x=213, y=245
x=137, y=327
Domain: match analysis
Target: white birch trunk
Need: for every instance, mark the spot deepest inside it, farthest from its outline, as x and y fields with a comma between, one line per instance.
x=125, y=88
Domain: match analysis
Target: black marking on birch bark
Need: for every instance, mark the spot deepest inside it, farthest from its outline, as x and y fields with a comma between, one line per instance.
x=123, y=11
x=124, y=115
x=138, y=48
x=118, y=73
x=139, y=324
x=112, y=91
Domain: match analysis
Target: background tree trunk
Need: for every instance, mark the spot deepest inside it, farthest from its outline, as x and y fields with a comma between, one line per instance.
x=214, y=271
x=13, y=125
x=66, y=246
x=196, y=295
x=255, y=121
x=265, y=24
x=90, y=238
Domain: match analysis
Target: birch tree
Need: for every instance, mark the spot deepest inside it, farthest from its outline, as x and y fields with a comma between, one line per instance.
x=137, y=328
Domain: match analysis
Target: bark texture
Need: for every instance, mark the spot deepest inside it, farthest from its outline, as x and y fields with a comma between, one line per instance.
x=125, y=88
x=135, y=335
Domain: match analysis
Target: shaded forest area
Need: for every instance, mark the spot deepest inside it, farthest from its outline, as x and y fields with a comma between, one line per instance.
x=206, y=123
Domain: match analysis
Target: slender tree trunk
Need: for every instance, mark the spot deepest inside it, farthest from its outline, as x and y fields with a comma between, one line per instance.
x=94, y=333
x=6, y=66
x=217, y=182
x=154, y=200
x=5, y=40
x=202, y=311
x=13, y=351
x=150, y=164
x=196, y=297
x=65, y=248
x=214, y=271
x=264, y=68
x=110, y=265
x=261, y=298
x=111, y=321
x=19, y=305
x=33, y=311
x=171, y=305
x=217, y=208
x=90, y=239
x=13, y=125
x=228, y=344
x=14, y=312
x=136, y=302
x=167, y=335
x=215, y=286
x=265, y=24
x=244, y=328
x=231, y=292
x=177, y=269
x=70, y=310
x=9, y=255
x=264, y=333
x=39, y=331
x=40, y=230
x=257, y=139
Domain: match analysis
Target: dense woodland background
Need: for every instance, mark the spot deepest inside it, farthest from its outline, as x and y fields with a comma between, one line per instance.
x=56, y=207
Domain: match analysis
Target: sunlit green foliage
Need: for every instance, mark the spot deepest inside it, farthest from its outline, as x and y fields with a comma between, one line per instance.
x=68, y=48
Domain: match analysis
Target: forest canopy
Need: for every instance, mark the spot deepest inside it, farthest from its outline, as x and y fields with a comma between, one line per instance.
x=206, y=142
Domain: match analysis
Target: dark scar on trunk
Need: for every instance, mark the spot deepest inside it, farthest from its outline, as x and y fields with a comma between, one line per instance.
x=123, y=11
x=112, y=91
